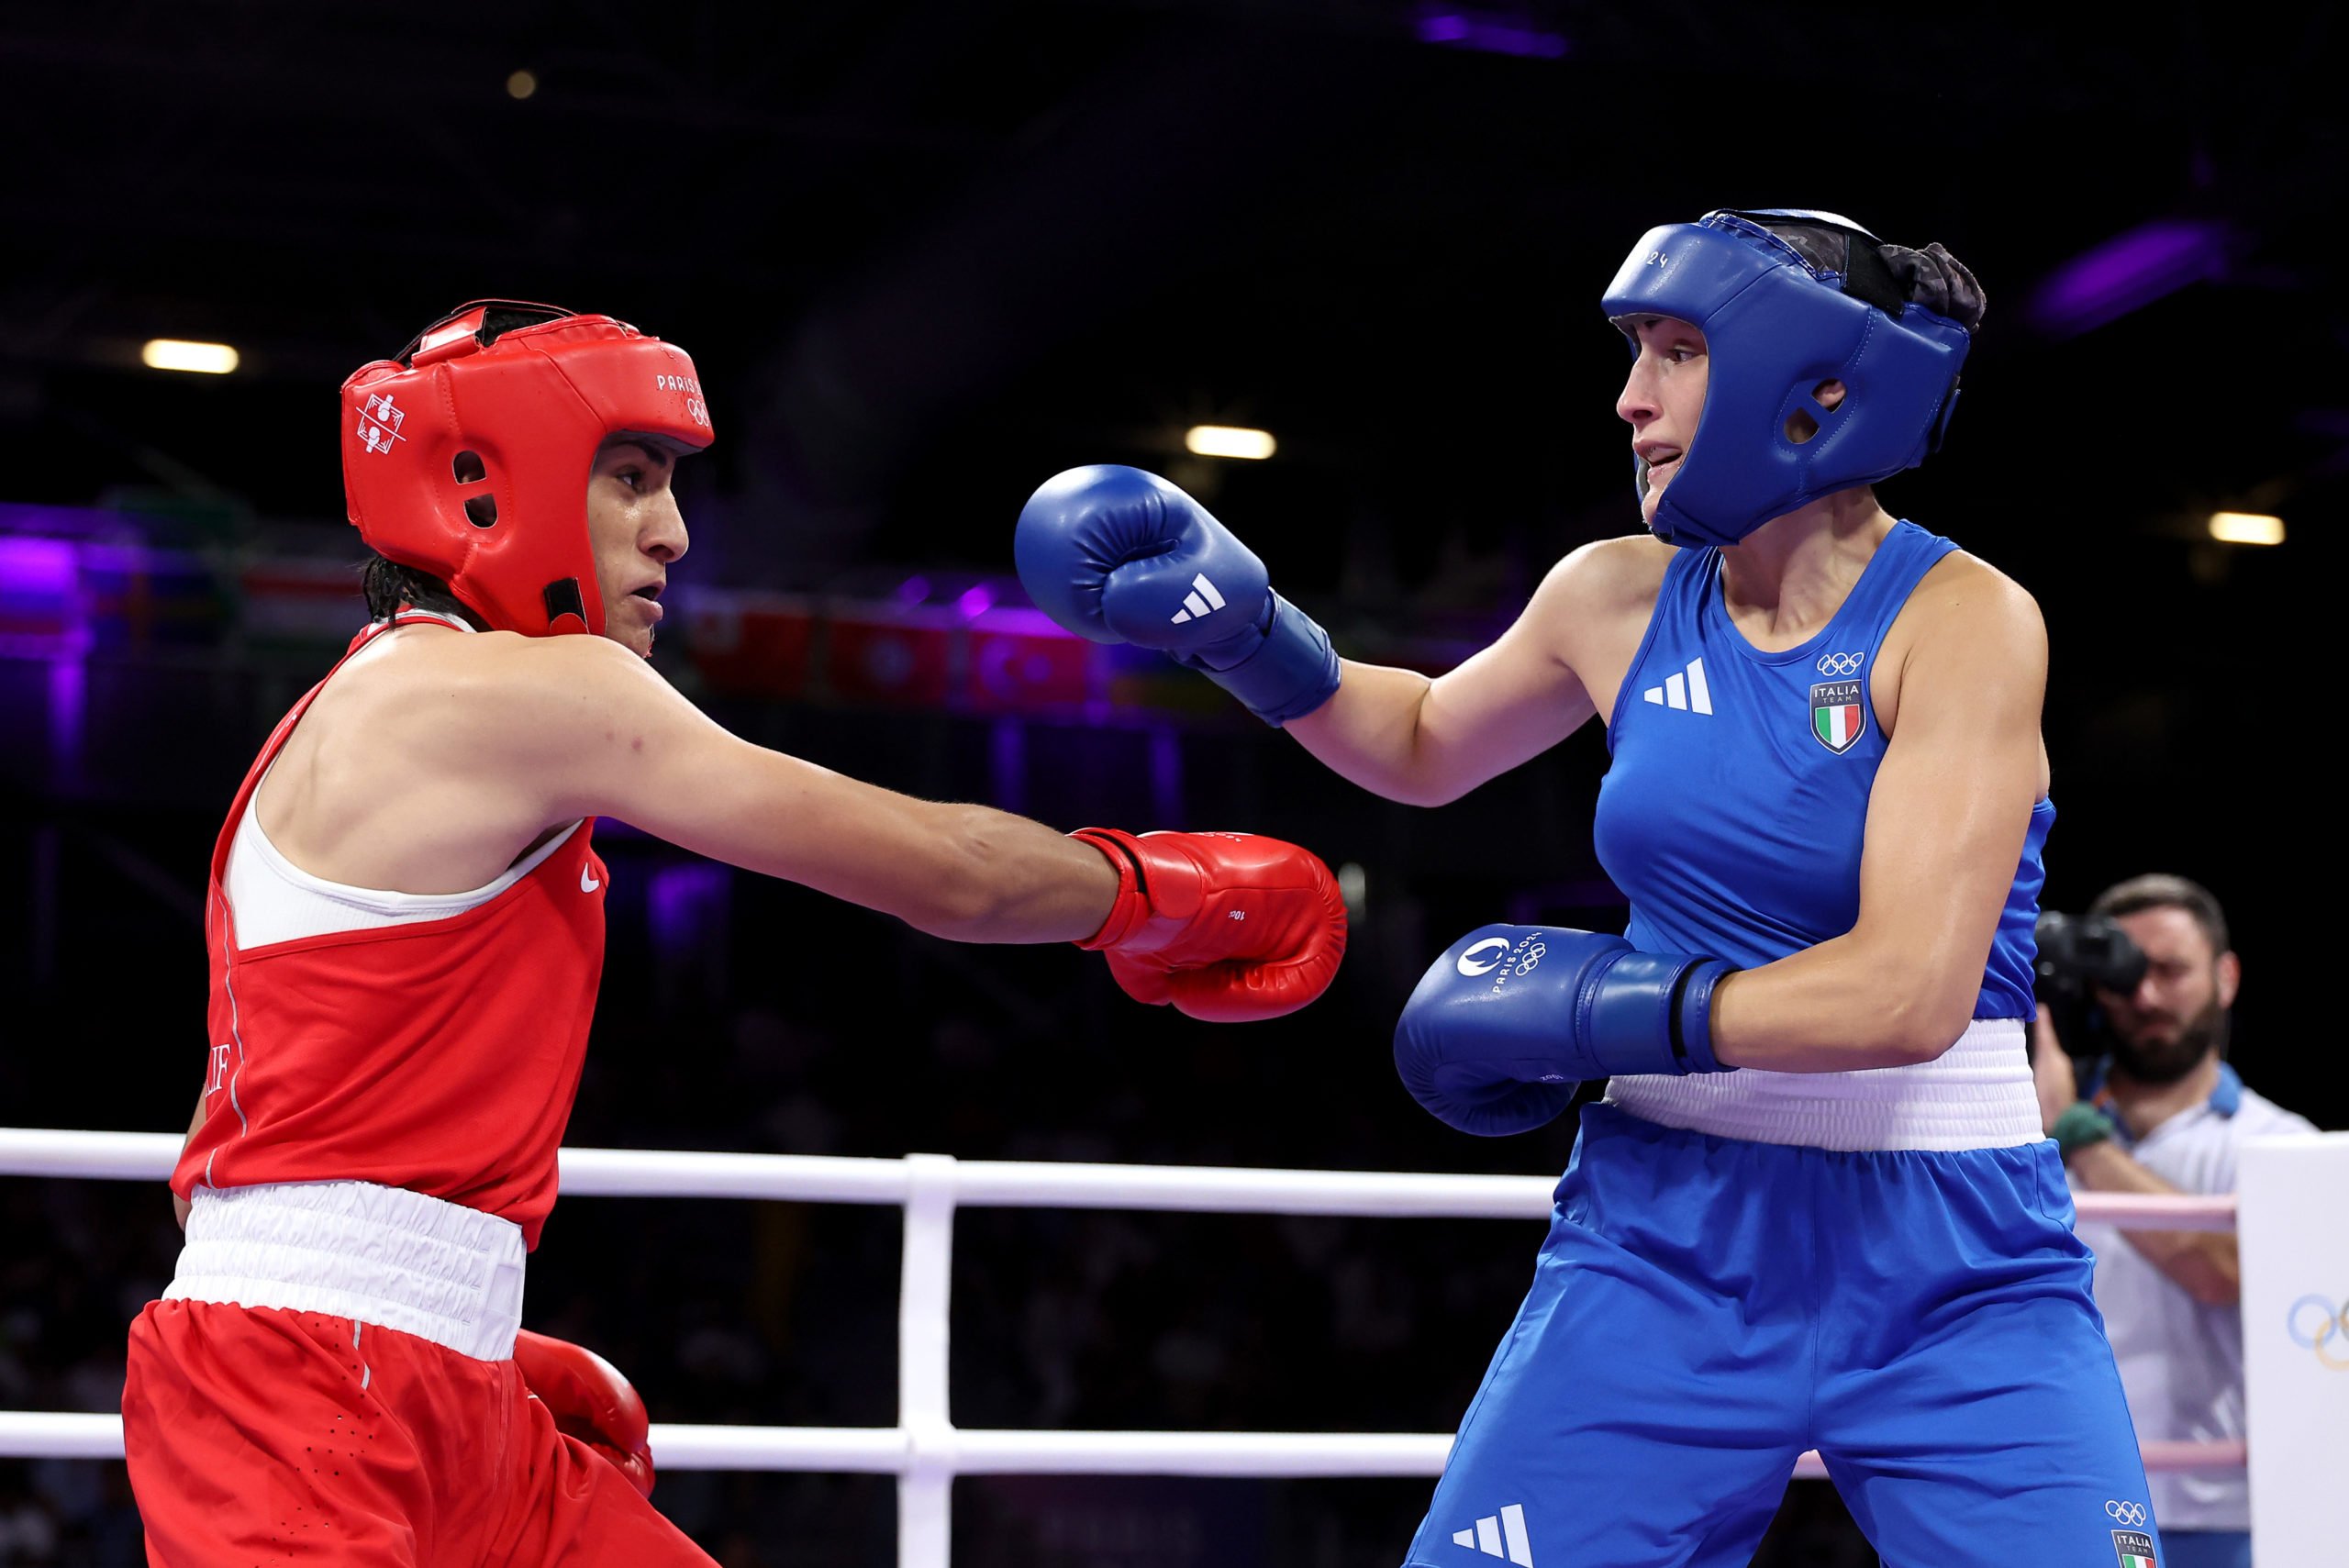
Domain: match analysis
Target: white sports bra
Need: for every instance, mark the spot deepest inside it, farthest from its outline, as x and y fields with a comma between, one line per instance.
x=274, y=900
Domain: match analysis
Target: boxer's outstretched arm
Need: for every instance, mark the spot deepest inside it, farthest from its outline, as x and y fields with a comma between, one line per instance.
x=1427, y=742
x=573, y=727
x=1117, y=555
x=1946, y=821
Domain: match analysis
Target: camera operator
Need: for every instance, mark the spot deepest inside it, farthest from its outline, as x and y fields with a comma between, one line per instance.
x=2141, y=1099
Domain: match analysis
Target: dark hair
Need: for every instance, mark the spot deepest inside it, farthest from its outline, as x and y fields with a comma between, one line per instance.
x=1888, y=276
x=390, y=586
x=2158, y=890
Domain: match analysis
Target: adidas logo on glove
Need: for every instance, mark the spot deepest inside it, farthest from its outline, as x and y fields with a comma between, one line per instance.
x=1201, y=600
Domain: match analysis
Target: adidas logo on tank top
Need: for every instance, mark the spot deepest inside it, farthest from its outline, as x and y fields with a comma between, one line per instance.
x=1685, y=691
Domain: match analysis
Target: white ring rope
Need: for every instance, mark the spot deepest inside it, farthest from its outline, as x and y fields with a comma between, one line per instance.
x=1014, y=1183
x=926, y=1451
x=884, y=1450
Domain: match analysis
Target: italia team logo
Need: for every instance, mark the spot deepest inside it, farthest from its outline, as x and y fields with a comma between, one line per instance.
x=2135, y=1548
x=1838, y=716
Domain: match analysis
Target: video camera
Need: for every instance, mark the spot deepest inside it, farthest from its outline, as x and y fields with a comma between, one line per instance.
x=2078, y=955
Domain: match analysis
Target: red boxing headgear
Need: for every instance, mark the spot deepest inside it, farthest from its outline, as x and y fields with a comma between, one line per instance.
x=468, y=455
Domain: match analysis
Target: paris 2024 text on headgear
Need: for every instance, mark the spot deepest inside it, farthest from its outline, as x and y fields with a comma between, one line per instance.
x=1777, y=324
x=467, y=455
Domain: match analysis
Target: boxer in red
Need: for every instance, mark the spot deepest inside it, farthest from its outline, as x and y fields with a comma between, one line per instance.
x=407, y=930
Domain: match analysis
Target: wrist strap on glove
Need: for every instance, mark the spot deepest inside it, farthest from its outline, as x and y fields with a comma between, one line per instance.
x=1282, y=671
x=1692, y=1017
x=1648, y=1012
x=1130, y=909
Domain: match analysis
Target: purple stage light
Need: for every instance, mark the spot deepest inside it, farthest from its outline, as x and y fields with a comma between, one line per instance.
x=1167, y=777
x=69, y=702
x=44, y=611
x=23, y=519
x=1021, y=621
x=1007, y=765
x=37, y=569
x=975, y=602
x=687, y=905
x=42, y=616
x=2128, y=273
x=1490, y=32
x=913, y=589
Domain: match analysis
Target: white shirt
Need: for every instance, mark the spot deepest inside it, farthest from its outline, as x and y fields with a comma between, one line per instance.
x=2181, y=1363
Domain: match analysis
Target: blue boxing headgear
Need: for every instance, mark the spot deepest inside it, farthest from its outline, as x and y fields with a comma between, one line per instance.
x=1777, y=323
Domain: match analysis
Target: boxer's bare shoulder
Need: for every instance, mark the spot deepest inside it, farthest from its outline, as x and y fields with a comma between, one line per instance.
x=428, y=759
x=1594, y=607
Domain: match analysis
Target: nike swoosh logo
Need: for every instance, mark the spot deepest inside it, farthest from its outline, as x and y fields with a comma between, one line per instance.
x=588, y=883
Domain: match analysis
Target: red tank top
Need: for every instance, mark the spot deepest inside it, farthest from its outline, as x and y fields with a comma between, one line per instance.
x=440, y=1056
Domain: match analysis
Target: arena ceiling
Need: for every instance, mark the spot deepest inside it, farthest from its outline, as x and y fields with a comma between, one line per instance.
x=926, y=252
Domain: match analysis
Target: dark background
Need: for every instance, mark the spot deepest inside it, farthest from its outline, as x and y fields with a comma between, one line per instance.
x=926, y=255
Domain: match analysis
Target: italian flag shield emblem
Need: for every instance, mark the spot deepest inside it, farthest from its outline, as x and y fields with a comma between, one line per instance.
x=1839, y=714
x=2135, y=1548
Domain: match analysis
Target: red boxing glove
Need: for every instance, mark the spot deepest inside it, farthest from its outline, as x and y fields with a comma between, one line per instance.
x=1227, y=927
x=589, y=1400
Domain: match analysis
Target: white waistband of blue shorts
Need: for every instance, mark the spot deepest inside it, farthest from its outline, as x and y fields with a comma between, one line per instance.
x=1977, y=1095
x=379, y=1255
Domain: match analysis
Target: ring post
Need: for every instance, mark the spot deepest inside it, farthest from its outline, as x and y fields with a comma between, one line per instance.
x=926, y=1487
x=2295, y=1340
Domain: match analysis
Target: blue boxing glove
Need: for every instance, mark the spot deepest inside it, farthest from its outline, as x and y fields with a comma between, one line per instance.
x=1511, y=1017
x=1119, y=555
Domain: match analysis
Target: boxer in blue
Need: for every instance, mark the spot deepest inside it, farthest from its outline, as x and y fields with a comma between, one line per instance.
x=1815, y=1209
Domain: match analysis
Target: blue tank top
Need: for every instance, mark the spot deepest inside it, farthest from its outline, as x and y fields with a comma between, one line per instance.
x=1733, y=813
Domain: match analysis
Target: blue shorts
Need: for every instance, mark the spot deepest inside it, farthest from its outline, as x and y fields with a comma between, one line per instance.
x=1705, y=1309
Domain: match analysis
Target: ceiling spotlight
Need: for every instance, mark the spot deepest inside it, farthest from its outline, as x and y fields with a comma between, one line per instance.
x=2246, y=528
x=1228, y=441
x=176, y=354
x=522, y=84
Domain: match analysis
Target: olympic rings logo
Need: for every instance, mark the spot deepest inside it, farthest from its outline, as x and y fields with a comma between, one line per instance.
x=2126, y=1513
x=2332, y=1326
x=1840, y=663
x=1532, y=958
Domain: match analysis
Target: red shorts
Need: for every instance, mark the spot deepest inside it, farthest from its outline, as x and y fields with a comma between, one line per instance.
x=258, y=1436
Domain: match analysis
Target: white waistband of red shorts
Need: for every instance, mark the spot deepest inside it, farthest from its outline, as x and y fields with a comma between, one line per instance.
x=1977, y=1095
x=379, y=1255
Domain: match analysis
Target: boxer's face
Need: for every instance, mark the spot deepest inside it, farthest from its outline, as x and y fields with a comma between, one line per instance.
x=1663, y=397
x=636, y=530
x=2178, y=1014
